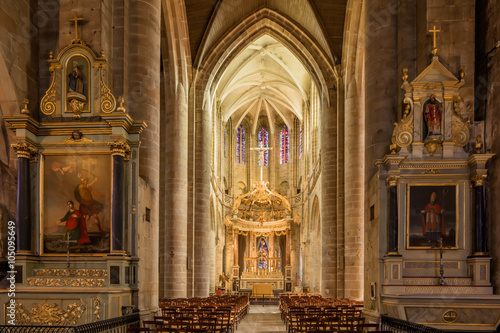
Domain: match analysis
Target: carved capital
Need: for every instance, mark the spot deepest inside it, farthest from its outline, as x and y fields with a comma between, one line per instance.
x=24, y=150
x=478, y=180
x=391, y=181
x=120, y=148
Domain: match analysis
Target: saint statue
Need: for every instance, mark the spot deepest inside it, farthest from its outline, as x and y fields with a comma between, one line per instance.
x=75, y=79
x=433, y=114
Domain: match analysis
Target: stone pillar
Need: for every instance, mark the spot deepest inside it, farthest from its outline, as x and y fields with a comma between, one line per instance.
x=381, y=83
x=327, y=256
x=143, y=100
x=23, y=222
x=119, y=150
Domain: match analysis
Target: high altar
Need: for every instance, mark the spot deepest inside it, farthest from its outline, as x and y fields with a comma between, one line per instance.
x=261, y=226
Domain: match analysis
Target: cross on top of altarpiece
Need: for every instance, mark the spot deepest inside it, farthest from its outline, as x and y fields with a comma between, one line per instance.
x=261, y=149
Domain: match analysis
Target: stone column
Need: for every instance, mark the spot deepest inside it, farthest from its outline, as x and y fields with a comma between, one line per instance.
x=381, y=83
x=119, y=150
x=327, y=258
x=24, y=227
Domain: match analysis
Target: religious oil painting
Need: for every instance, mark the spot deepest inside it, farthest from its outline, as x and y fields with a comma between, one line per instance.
x=432, y=216
x=76, y=203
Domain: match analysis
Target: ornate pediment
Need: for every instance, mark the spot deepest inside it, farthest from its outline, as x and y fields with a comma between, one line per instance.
x=77, y=88
x=432, y=123
x=435, y=73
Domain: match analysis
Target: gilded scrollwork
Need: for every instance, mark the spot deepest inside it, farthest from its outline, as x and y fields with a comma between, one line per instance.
x=108, y=101
x=48, y=102
x=83, y=272
x=97, y=304
x=403, y=131
x=66, y=282
x=49, y=314
x=460, y=131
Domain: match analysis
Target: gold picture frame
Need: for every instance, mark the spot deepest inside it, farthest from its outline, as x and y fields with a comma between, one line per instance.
x=82, y=182
x=431, y=214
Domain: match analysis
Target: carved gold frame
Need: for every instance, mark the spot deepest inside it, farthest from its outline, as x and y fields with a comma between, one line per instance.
x=42, y=197
x=409, y=208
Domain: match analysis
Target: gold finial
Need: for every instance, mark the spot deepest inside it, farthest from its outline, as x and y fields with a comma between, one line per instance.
x=51, y=55
x=102, y=54
x=121, y=108
x=405, y=74
x=76, y=19
x=462, y=72
x=25, y=109
x=434, y=48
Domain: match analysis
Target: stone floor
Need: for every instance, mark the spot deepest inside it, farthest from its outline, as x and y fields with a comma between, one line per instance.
x=262, y=319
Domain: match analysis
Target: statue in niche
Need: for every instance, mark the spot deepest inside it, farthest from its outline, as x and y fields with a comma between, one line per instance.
x=433, y=115
x=75, y=79
x=76, y=88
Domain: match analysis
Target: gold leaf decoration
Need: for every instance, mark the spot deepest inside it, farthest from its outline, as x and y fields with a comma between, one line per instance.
x=49, y=314
x=48, y=102
x=108, y=101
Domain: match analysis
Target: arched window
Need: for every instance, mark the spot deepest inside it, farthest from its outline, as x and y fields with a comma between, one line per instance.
x=264, y=139
x=240, y=145
x=284, y=145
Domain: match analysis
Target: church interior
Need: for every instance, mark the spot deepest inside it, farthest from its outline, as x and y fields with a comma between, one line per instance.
x=153, y=150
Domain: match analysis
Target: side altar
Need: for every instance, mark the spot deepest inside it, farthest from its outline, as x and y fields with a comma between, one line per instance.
x=436, y=266
x=76, y=228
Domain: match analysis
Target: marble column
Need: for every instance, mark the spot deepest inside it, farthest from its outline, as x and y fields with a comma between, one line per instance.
x=23, y=213
x=392, y=184
x=119, y=150
x=480, y=236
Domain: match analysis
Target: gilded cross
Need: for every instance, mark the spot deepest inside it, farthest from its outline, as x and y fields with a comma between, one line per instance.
x=76, y=19
x=434, y=49
x=261, y=151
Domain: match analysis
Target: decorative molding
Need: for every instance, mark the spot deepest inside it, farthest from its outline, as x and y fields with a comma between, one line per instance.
x=66, y=282
x=96, y=303
x=83, y=272
x=49, y=314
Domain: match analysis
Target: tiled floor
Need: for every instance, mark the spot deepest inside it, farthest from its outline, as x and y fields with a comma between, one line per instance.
x=262, y=319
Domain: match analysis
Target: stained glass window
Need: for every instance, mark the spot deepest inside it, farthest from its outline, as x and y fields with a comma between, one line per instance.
x=264, y=138
x=284, y=145
x=240, y=145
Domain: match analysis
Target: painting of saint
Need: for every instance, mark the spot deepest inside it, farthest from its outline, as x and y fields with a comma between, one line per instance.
x=76, y=201
x=432, y=215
